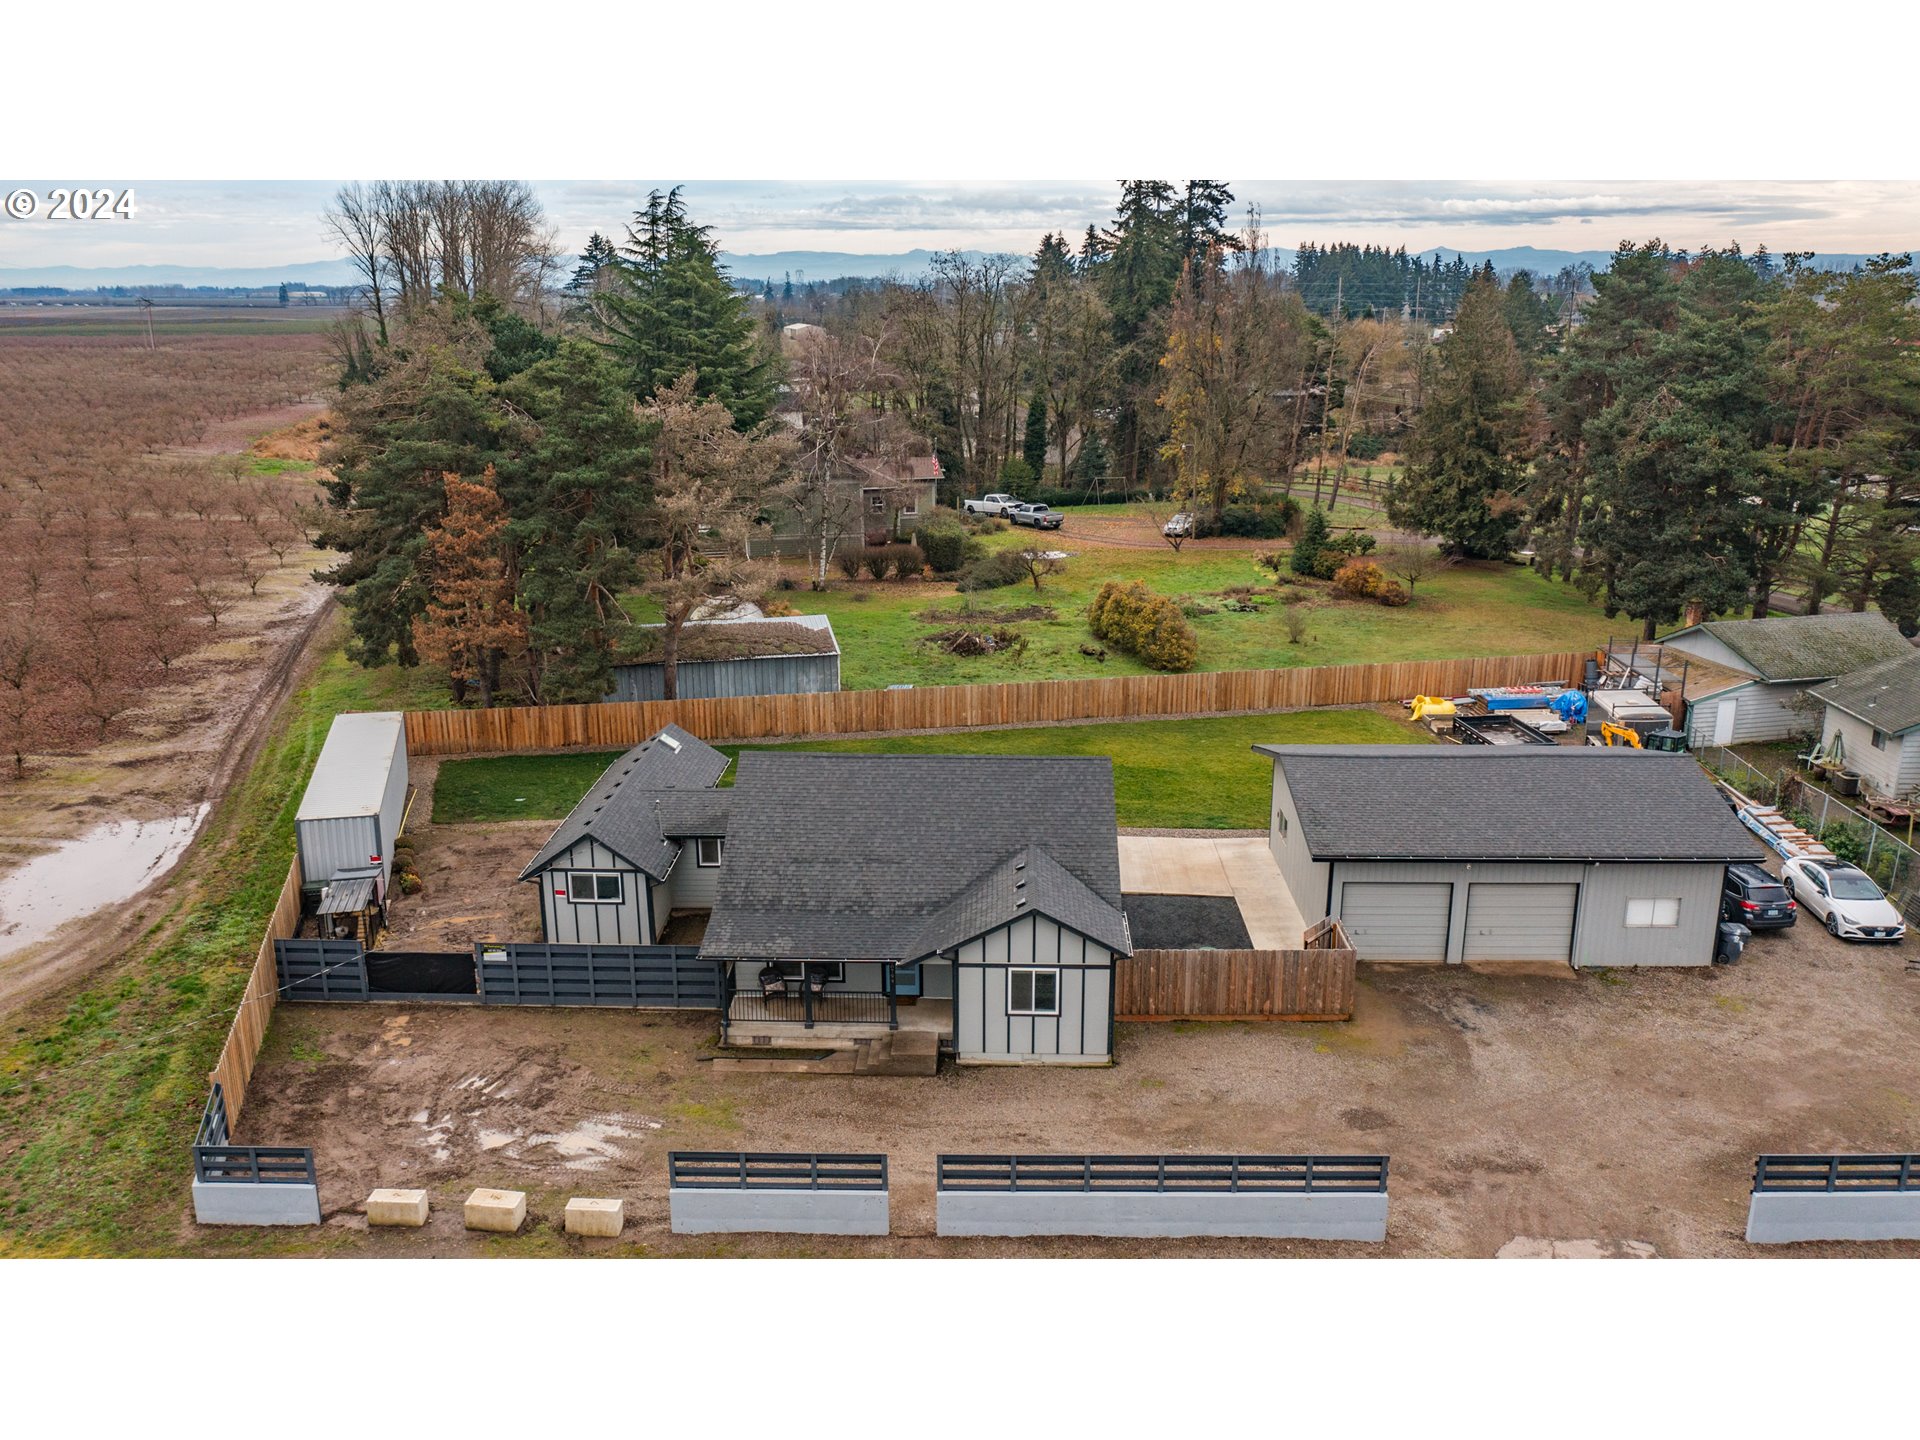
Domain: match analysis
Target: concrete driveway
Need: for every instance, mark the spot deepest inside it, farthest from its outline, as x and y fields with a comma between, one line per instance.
x=1240, y=866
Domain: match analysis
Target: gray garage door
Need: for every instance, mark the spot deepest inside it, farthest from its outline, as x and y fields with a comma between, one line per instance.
x=1396, y=922
x=1520, y=922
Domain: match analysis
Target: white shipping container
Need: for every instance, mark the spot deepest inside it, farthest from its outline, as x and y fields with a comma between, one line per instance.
x=356, y=800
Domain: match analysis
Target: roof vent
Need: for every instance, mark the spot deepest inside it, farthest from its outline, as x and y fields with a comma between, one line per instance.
x=1021, y=901
x=1019, y=864
x=670, y=742
x=1019, y=884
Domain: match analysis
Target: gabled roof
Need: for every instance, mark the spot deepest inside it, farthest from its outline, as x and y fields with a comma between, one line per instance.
x=623, y=810
x=1514, y=803
x=1806, y=647
x=1886, y=696
x=894, y=857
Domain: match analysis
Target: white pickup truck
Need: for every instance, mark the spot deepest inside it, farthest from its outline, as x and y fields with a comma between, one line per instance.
x=995, y=504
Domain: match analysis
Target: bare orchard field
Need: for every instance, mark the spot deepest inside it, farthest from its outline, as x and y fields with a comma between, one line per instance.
x=1618, y=1107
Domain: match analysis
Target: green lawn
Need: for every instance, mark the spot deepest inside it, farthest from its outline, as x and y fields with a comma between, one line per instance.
x=1174, y=774
x=99, y=1098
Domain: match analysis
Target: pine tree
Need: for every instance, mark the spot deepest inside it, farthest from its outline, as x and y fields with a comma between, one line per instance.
x=1033, y=444
x=596, y=262
x=1203, y=220
x=671, y=309
x=1307, y=550
x=1468, y=453
x=470, y=623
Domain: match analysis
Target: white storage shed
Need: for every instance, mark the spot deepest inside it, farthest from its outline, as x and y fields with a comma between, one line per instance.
x=356, y=800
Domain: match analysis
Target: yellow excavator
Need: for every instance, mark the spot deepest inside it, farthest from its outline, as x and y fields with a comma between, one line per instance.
x=1612, y=734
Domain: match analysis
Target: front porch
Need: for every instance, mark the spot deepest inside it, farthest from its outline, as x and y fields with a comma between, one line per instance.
x=831, y=1020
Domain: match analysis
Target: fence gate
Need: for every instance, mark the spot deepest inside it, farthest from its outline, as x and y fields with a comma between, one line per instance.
x=664, y=977
x=321, y=969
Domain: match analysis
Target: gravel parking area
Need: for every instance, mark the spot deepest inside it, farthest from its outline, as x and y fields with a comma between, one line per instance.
x=1610, y=1107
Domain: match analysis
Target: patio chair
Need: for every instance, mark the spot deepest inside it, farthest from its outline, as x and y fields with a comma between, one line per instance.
x=773, y=982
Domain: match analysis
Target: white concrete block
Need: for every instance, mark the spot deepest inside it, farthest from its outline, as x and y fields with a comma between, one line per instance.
x=604, y=1219
x=501, y=1211
x=397, y=1207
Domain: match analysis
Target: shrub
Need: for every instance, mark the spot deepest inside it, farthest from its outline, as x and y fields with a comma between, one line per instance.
x=944, y=543
x=1294, y=618
x=1017, y=477
x=992, y=572
x=909, y=560
x=849, y=563
x=1361, y=579
x=878, y=560
x=1266, y=521
x=1148, y=626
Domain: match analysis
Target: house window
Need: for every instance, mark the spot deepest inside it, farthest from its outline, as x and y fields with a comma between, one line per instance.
x=877, y=502
x=706, y=851
x=1879, y=739
x=910, y=505
x=1280, y=822
x=1653, y=914
x=1033, y=992
x=594, y=887
x=797, y=969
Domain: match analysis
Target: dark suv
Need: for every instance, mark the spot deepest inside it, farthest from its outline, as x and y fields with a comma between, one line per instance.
x=1756, y=899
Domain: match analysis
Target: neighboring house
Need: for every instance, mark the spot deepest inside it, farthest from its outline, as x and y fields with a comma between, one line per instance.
x=1875, y=714
x=1776, y=661
x=792, y=655
x=1445, y=854
x=873, y=502
x=648, y=840
x=975, y=895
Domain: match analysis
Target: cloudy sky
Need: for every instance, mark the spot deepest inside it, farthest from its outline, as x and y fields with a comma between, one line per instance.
x=264, y=223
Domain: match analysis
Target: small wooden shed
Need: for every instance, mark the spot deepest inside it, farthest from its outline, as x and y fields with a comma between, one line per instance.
x=792, y=655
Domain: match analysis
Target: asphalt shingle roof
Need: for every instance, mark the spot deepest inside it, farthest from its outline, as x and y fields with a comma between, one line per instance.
x=1886, y=696
x=893, y=857
x=624, y=808
x=1808, y=647
x=1472, y=802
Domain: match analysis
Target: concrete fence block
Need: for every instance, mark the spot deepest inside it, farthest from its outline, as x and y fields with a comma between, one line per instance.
x=226, y=1203
x=500, y=1211
x=779, y=1212
x=1168, y=1215
x=602, y=1219
x=1781, y=1217
x=397, y=1207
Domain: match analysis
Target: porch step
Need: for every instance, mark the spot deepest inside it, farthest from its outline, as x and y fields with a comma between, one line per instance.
x=840, y=1062
x=900, y=1052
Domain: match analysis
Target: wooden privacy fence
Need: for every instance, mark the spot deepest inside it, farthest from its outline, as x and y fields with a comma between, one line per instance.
x=235, y=1067
x=620, y=724
x=1312, y=984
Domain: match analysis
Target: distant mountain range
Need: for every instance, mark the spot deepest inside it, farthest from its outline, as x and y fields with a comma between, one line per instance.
x=776, y=267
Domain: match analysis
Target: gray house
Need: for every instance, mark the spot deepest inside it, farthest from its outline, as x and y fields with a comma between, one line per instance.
x=977, y=897
x=747, y=655
x=1774, y=663
x=1874, y=714
x=648, y=840
x=1445, y=854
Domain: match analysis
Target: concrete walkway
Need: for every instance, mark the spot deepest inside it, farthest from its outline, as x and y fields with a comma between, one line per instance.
x=1240, y=866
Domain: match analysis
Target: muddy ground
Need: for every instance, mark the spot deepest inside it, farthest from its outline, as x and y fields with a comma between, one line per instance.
x=470, y=877
x=1618, y=1107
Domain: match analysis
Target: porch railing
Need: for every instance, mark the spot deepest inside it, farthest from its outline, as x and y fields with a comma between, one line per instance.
x=801, y=1006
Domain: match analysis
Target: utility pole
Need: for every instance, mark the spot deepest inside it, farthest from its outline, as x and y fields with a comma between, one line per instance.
x=146, y=303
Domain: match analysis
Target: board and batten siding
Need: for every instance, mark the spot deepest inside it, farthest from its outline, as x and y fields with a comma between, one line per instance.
x=1891, y=770
x=1760, y=712
x=569, y=923
x=1601, y=936
x=983, y=1031
x=1306, y=879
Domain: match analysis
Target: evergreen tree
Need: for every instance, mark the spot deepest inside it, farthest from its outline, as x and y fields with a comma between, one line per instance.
x=470, y=623
x=1203, y=220
x=671, y=309
x=1033, y=444
x=596, y=263
x=1468, y=451
x=1312, y=543
x=1140, y=266
x=1053, y=261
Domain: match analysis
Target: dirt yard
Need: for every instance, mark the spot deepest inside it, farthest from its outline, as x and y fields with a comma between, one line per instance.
x=1622, y=1108
x=469, y=876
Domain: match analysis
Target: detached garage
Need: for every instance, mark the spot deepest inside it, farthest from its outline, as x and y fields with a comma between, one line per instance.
x=1489, y=854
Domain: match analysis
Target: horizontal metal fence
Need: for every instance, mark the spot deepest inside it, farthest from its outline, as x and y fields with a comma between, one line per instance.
x=321, y=969
x=1158, y=1174
x=213, y=1118
x=771, y=1170
x=668, y=977
x=253, y=1165
x=1804, y=1174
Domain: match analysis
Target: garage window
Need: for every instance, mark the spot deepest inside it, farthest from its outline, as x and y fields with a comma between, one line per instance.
x=593, y=887
x=1653, y=914
x=1033, y=992
x=1280, y=821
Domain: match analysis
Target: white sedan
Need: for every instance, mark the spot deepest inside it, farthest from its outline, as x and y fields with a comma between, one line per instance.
x=1845, y=898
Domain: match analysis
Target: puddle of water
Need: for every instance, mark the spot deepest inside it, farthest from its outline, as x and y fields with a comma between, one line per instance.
x=108, y=864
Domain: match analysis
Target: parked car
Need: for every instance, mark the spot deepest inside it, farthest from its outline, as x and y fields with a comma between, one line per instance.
x=1038, y=516
x=1179, y=525
x=1845, y=897
x=1751, y=897
x=995, y=504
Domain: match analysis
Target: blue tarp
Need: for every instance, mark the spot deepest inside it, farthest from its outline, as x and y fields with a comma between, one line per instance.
x=1571, y=706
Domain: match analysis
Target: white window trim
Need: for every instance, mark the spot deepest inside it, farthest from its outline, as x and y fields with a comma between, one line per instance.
x=620, y=887
x=797, y=969
x=1654, y=902
x=1035, y=970
x=700, y=852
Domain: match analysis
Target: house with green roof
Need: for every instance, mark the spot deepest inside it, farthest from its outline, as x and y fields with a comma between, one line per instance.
x=1765, y=669
x=1874, y=716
